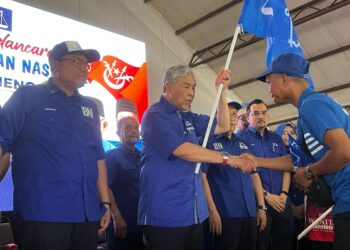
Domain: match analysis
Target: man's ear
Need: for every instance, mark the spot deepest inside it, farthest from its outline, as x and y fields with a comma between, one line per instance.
x=285, y=81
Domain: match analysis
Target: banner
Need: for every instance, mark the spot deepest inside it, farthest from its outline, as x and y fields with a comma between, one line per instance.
x=270, y=19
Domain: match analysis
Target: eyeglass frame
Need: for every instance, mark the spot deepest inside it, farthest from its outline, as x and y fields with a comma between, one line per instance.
x=257, y=113
x=76, y=61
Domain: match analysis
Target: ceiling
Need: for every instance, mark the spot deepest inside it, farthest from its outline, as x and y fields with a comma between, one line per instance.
x=207, y=26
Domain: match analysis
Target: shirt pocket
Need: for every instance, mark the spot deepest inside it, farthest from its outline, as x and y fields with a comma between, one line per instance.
x=47, y=125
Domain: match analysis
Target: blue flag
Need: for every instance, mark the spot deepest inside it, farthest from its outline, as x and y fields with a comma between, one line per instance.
x=299, y=158
x=270, y=19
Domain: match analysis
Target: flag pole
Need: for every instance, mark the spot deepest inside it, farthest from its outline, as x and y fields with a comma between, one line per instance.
x=306, y=230
x=218, y=94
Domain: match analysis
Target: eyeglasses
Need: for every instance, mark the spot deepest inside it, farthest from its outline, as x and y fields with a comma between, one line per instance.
x=257, y=113
x=242, y=117
x=77, y=61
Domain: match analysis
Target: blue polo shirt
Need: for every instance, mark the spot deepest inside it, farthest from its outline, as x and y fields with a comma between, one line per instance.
x=171, y=194
x=232, y=190
x=123, y=165
x=268, y=146
x=312, y=127
x=55, y=142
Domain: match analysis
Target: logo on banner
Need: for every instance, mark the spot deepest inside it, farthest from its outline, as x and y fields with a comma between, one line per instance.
x=5, y=19
x=122, y=80
x=114, y=74
x=115, y=77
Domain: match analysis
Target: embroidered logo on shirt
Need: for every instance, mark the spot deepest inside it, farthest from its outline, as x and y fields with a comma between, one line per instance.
x=87, y=112
x=274, y=145
x=218, y=146
x=242, y=145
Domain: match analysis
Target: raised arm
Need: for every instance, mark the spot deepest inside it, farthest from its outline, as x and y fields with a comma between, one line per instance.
x=223, y=116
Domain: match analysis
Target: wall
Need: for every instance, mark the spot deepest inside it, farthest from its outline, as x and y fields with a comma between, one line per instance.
x=139, y=20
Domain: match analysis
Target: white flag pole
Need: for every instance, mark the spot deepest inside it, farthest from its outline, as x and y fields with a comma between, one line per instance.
x=306, y=230
x=218, y=94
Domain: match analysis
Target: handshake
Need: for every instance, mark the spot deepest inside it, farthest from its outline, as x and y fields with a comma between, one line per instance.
x=247, y=163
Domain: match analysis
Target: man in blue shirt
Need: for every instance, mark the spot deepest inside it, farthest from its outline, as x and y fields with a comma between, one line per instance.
x=123, y=164
x=233, y=211
x=172, y=204
x=59, y=172
x=323, y=133
x=264, y=143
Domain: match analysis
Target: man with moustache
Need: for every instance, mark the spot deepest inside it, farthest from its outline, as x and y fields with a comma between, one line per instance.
x=266, y=144
x=123, y=164
x=59, y=172
x=172, y=204
x=323, y=134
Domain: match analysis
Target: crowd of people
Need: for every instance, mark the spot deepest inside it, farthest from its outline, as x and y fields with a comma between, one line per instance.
x=247, y=194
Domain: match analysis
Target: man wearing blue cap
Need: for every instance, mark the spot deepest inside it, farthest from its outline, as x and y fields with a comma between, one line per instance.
x=234, y=215
x=323, y=133
x=59, y=172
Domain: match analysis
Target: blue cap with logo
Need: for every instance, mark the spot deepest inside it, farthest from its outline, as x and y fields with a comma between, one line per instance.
x=73, y=47
x=290, y=64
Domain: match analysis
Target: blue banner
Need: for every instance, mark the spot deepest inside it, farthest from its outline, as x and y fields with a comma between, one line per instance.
x=270, y=19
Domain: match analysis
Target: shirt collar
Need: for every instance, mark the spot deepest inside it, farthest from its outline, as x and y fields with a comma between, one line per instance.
x=167, y=106
x=303, y=95
x=128, y=150
x=254, y=131
x=224, y=136
x=54, y=89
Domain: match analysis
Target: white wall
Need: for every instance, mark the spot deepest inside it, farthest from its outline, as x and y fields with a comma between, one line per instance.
x=139, y=20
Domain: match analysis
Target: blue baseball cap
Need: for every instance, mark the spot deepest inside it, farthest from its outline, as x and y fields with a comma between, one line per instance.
x=235, y=105
x=73, y=47
x=290, y=64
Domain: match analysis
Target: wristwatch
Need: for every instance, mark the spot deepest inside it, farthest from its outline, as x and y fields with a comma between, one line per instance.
x=308, y=172
x=225, y=158
x=265, y=193
x=262, y=207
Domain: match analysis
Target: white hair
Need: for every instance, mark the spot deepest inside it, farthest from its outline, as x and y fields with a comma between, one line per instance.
x=176, y=71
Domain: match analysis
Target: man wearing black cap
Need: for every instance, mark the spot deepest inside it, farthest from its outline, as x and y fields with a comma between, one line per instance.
x=59, y=172
x=233, y=213
x=323, y=133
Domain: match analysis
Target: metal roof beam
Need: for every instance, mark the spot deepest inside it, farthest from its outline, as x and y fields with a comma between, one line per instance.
x=207, y=16
x=208, y=54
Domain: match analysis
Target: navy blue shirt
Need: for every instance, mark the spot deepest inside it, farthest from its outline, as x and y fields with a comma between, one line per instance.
x=123, y=165
x=268, y=146
x=56, y=142
x=171, y=194
x=232, y=190
x=312, y=127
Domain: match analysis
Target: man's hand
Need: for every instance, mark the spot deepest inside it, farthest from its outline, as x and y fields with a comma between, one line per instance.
x=276, y=202
x=261, y=220
x=250, y=157
x=300, y=180
x=224, y=77
x=106, y=218
x=244, y=164
x=120, y=227
x=215, y=225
